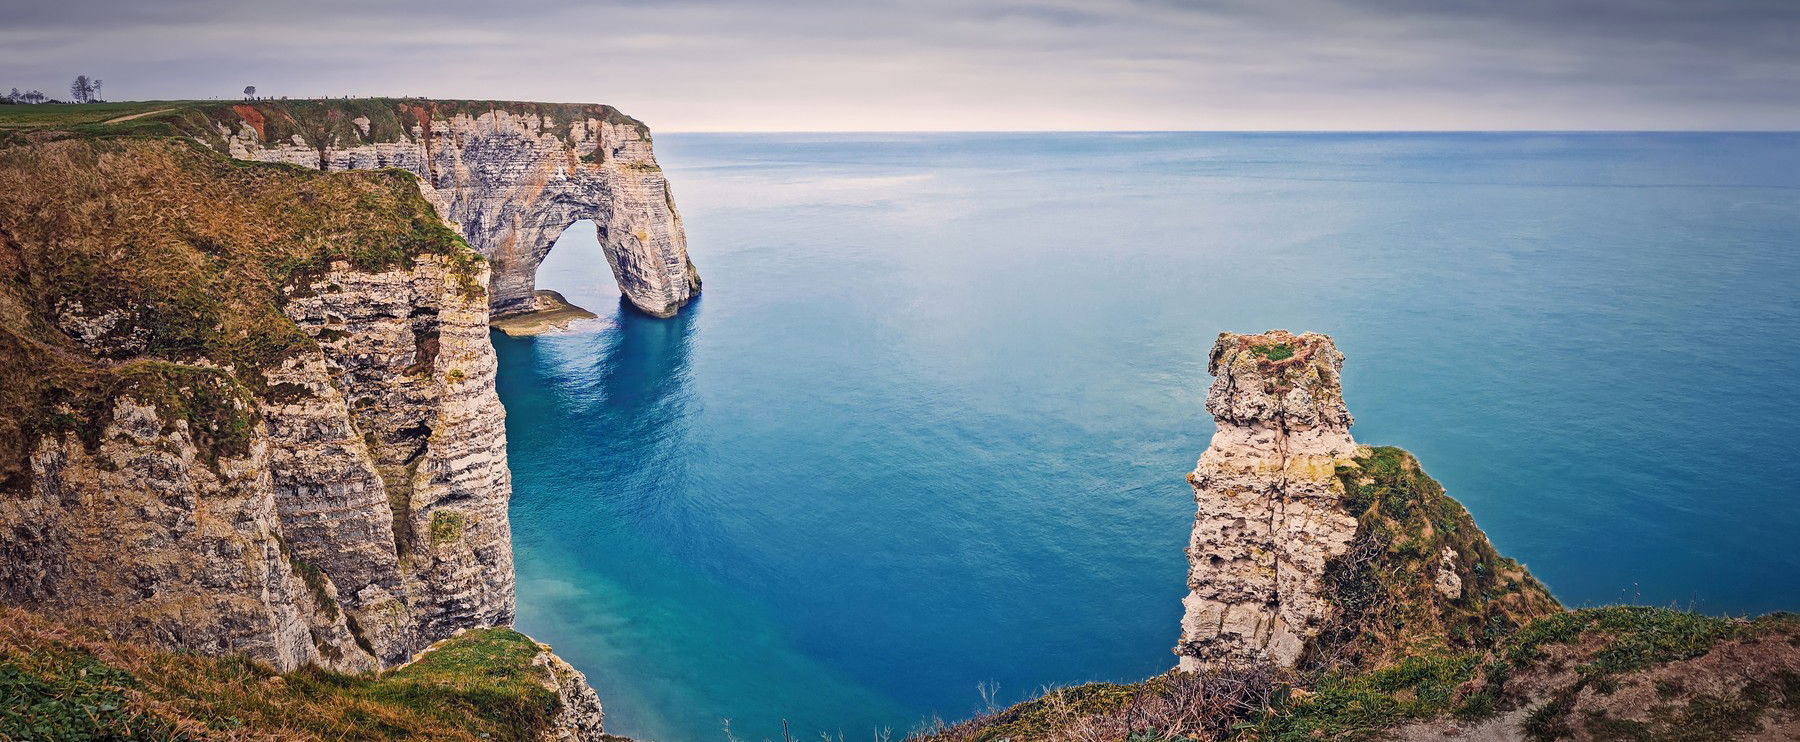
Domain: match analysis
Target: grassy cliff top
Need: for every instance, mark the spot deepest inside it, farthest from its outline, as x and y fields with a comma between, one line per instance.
x=319, y=122
x=154, y=268
x=58, y=683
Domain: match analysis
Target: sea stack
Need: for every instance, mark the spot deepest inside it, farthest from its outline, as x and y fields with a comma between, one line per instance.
x=1270, y=505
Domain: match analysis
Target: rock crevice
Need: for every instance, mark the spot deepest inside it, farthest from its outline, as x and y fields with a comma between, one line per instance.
x=1269, y=514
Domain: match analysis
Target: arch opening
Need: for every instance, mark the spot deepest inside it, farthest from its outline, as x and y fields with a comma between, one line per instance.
x=569, y=281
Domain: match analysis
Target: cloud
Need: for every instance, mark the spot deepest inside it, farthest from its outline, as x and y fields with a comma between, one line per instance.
x=942, y=64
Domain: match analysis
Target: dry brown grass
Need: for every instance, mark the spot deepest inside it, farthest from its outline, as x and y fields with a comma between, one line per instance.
x=188, y=254
x=1196, y=706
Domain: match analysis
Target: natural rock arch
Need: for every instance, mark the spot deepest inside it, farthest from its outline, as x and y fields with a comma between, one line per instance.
x=511, y=177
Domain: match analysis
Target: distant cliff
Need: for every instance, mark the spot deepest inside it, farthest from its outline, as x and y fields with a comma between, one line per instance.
x=250, y=407
x=1337, y=593
x=510, y=176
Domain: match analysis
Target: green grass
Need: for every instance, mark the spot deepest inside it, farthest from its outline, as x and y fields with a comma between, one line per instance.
x=447, y=526
x=1356, y=707
x=318, y=122
x=63, y=693
x=57, y=684
x=67, y=115
x=1635, y=637
x=1274, y=352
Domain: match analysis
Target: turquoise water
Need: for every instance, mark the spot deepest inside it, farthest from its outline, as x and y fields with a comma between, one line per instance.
x=928, y=425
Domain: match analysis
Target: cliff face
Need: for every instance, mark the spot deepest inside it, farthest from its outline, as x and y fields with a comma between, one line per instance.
x=510, y=176
x=392, y=472
x=1269, y=502
x=141, y=535
x=250, y=409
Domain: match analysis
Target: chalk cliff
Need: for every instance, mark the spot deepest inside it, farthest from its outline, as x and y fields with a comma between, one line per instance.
x=1270, y=509
x=510, y=176
x=1291, y=532
x=251, y=408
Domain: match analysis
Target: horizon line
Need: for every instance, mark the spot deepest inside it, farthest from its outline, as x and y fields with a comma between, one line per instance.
x=658, y=130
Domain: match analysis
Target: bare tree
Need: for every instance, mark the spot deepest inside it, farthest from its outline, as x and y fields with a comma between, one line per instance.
x=249, y=91
x=82, y=89
x=34, y=96
x=97, y=82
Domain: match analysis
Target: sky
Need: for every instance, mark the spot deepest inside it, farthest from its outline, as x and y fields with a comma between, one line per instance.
x=1010, y=65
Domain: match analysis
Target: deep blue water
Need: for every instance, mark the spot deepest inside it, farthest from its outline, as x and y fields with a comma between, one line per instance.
x=929, y=423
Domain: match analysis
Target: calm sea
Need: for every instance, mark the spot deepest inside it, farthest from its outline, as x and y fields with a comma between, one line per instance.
x=928, y=425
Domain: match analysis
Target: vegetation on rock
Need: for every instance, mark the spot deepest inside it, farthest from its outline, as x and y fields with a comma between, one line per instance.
x=63, y=684
x=1420, y=575
x=154, y=269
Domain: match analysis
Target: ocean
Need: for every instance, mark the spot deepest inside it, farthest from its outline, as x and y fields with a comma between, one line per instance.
x=927, y=426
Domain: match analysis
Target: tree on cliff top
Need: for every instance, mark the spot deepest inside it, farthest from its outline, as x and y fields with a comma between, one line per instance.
x=82, y=89
x=249, y=91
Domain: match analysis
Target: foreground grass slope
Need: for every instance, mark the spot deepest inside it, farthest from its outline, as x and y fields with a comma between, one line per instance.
x=1402, y=660
x=58, y=683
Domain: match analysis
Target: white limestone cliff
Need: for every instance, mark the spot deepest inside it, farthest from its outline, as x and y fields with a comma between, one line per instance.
x=511, y=177
x=1269, y=513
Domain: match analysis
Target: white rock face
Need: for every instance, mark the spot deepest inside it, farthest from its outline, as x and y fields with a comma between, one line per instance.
x=148, y=538
x=512, y=180
x=1269, y=512
x=392, y=477
x=364, y=518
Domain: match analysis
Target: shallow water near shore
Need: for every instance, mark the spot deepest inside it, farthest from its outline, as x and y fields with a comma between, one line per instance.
x=928, y=425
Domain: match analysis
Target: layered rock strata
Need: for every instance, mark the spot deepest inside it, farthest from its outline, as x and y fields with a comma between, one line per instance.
x=392, y=474
x=365, y=519
x=1269, y=504
x=249, y=410
x=142, y=535
x=510, y=176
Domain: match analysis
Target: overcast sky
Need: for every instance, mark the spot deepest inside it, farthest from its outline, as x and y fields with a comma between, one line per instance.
x=793, y=65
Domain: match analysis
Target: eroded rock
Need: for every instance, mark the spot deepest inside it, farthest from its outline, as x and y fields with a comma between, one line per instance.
x=511, y=178
x=1269, y=512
